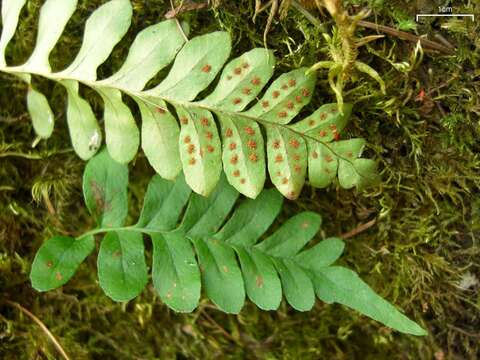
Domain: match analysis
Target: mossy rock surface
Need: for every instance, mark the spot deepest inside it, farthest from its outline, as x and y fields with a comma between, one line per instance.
x=422, y=253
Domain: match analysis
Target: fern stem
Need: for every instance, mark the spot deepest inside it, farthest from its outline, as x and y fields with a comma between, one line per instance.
x=123, y=228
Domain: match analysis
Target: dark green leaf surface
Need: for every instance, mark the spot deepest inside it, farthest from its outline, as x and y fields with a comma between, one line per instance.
x=57, y=261
x=105, y=190
x=325, y=253
x=122, y=271
x=297, y=286
x=175, y=273
x=341, y=285
x=221, y=275
x=164, y=202
x=251, y=219
x=292, y=235
x=262, y=283
x=204, y=216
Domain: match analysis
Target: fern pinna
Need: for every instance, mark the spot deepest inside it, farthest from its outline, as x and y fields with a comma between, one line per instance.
x=178, y=130
x=226, y=252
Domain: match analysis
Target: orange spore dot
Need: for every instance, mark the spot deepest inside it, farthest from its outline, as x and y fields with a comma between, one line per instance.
x=294, y=143
x=255, y=81
x=249, y=131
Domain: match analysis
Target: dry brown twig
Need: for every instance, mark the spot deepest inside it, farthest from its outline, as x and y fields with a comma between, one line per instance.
x=360, y=228
x=42, y=326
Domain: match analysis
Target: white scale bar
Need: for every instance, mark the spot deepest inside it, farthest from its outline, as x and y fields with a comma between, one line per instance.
x=445, y=15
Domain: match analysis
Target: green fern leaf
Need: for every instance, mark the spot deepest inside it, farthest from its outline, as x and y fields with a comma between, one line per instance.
x=224, y=131
x=231, y=255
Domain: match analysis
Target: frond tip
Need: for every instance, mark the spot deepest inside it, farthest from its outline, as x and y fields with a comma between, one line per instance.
x=223, y=132
x=227, y=253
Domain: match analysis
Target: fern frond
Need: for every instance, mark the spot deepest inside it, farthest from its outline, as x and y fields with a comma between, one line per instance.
x=225, y=252
x=224, y=131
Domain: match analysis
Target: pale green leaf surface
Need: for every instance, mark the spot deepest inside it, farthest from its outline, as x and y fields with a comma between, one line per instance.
x=40, y=112
x=262, y=283
x=287, y=160
x=366, y=172
x=251, y=219
x=195, y=66
x=322, y=164
x=105, y=190
x=154, y=48
x=242, y=155
x=284, y=99
x=292, y=236
x=160, y=134
x=54, y=16
x=10, y=13
x=175, y=273
x=221, y=275
x=57, y=261
x=82, y=124
x=121, y=132
x=163, y=204
x=348, y=151
x=242, y=80
x=341, y=285
x=325, y=123
x=122, y=271
x=103, y=30
x=325, y=253
x=200, y=149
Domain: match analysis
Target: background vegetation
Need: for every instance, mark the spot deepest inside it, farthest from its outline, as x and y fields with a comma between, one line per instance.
x=422, y=253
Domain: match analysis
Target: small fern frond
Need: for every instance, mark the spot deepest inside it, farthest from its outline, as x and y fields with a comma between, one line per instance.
x=227, y=253
x=223, y=131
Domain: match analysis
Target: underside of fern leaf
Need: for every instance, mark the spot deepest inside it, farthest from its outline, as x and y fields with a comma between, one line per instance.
x=212, y=244
x=231, y=128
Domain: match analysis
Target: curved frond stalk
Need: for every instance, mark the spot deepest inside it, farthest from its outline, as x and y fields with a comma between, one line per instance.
x=223, y=132
x=208, y=245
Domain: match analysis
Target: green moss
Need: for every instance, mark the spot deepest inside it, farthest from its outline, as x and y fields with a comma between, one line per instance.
x=424, y=243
